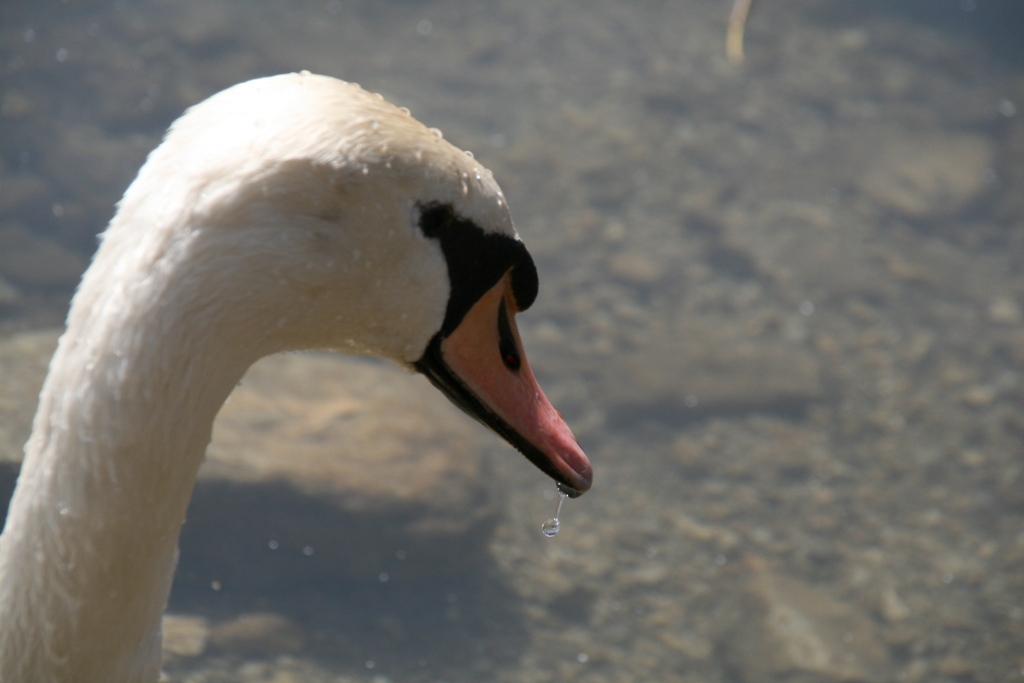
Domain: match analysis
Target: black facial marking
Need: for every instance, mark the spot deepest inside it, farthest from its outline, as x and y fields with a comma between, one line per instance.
x=476, y=261
x=507, y=341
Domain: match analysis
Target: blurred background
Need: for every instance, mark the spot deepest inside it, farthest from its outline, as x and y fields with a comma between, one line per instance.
x=781, y=306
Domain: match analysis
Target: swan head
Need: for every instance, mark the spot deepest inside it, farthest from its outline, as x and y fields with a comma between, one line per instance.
x=302, y=212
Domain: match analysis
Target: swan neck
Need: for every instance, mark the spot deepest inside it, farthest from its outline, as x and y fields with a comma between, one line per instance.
x=90, y=545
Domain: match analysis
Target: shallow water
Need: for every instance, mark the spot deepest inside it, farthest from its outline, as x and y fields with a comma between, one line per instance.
x=781, y=306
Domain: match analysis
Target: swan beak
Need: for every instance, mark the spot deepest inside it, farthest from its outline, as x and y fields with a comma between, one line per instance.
x=481, y=367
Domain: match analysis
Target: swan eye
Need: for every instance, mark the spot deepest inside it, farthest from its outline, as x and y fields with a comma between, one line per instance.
x=506, y=341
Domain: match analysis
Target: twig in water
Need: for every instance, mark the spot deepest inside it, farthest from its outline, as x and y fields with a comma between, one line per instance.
x=734, y=35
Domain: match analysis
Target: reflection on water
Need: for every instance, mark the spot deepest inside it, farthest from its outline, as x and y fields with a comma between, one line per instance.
x=781, y=305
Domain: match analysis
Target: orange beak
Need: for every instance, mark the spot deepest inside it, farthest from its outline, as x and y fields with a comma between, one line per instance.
x=481, y=367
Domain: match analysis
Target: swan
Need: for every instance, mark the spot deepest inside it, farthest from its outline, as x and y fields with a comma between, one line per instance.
x=290, y=212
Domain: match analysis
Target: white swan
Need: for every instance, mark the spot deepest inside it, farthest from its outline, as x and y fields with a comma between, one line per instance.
x=291, y=212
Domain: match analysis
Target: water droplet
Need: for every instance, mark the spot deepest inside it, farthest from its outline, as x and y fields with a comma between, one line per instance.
x=551, y=526
x=405, y=110
x=468, y=154
x=437, y=133
x=374, y=123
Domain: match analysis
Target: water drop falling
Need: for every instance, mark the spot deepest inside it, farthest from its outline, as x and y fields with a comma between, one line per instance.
x=551, y=526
